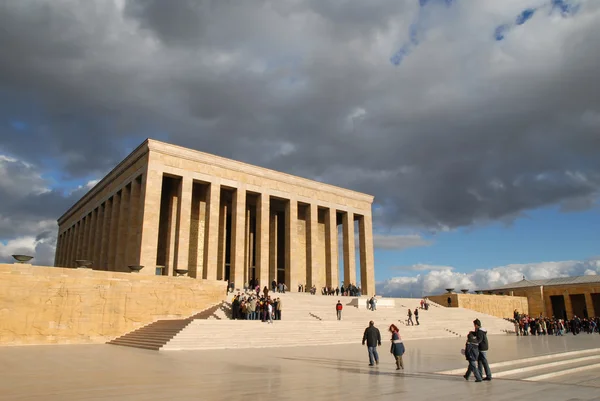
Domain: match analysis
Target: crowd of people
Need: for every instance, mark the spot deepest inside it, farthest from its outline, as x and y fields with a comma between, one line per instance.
x=256, y=306
x=526, y=325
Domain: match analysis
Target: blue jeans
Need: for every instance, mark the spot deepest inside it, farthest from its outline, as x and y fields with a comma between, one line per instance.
x=482, y=363
x=473, y=369
x=373, y=355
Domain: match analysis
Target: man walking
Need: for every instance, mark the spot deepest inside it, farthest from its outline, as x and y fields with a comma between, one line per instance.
x=482, y=340
x=338, y=309
x=373, y=338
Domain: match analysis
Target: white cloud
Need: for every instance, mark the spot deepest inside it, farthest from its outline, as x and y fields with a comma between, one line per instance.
x=436, y=281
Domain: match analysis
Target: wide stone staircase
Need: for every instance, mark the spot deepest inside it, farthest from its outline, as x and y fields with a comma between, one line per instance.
x=306, y=320
x=549, y=367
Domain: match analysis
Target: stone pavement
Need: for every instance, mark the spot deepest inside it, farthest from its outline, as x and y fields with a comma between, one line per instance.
x=340, y=372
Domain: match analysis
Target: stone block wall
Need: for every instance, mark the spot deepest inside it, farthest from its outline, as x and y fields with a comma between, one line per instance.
x=501, y=306
x=48, y=305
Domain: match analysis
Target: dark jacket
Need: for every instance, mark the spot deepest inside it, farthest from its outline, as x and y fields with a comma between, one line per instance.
x=482, y=339
x=471, y=352
x=371, y=336
x=397, y=345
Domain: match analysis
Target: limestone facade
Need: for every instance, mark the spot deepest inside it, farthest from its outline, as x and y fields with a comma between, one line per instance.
x=169, y=208
x=495, y=305
x=44, y=305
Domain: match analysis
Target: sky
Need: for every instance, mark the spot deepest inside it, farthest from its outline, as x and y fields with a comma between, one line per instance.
x=475, y=124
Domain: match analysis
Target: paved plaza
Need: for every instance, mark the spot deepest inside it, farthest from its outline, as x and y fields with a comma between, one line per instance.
x=341, y=372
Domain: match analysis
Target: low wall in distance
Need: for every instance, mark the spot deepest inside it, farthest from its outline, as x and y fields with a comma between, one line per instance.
x=50, y=305
x=495, y=305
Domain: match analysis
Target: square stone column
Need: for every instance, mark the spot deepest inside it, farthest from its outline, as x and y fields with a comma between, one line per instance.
x=98, y=236
x=262, y=239
x=331, y=249
x=247, y=247
x=105, y=234
x=292, y=276
x=93, y=238
x=171, y=245
x=367, y=257
x=349, y=249
x=211, y=238
x=134, y=225
x=69, y=257
x=238, y=237
x=568, y=305
x=77, y=243
x=221, y=261
x=122, y=230
x=150, y=200
x=589, y=305
x=58, y=250
x=273, y=244
x=184, y=216
x=315, y=270
x=86, y=235
x=113, y=232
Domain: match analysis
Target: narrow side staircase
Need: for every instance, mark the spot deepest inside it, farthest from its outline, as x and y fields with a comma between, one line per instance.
x=155, y=335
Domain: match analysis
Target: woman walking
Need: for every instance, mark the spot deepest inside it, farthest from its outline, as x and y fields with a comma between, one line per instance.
x=397, y=349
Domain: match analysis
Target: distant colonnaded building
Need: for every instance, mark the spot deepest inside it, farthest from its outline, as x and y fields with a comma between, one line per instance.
x=172, y=209
x=562, y=297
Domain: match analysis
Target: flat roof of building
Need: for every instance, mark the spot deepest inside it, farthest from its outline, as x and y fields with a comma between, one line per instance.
x=549, y=282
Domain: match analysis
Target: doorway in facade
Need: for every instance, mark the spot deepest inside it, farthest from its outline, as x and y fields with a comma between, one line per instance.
x=578, y=304
x=558, y=306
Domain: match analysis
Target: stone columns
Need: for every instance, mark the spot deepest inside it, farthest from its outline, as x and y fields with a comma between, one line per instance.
x=183, y=227
x=98, y=236
x=238, y=231
x=105, y=240
x=78, y=235
x=589, y=305
x=222, y=241
x=85, y=228
x=367, y=258
x=93, y=238
x=331, y=249
x=262, y=239
x=134, y=225
x=122, y=230
x=150, y=199
x=312, y=227
x=247, y=247
x=113, y=232
x=349, y=251
x=568, y=305
x=171, y=244
x=273, y=256
x=211, y=238
x=291, y=244
x=59, y=242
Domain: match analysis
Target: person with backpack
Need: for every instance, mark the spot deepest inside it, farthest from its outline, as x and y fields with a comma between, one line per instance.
x=338, y=310
x=482, y=340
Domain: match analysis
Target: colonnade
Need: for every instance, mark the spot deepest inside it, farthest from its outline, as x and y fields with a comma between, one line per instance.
x=212, y=230
x=108, y=234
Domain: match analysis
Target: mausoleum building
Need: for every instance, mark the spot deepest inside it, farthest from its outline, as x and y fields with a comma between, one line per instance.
x=179, y=211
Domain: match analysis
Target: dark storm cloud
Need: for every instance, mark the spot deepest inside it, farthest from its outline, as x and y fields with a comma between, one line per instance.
x=465, y=130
